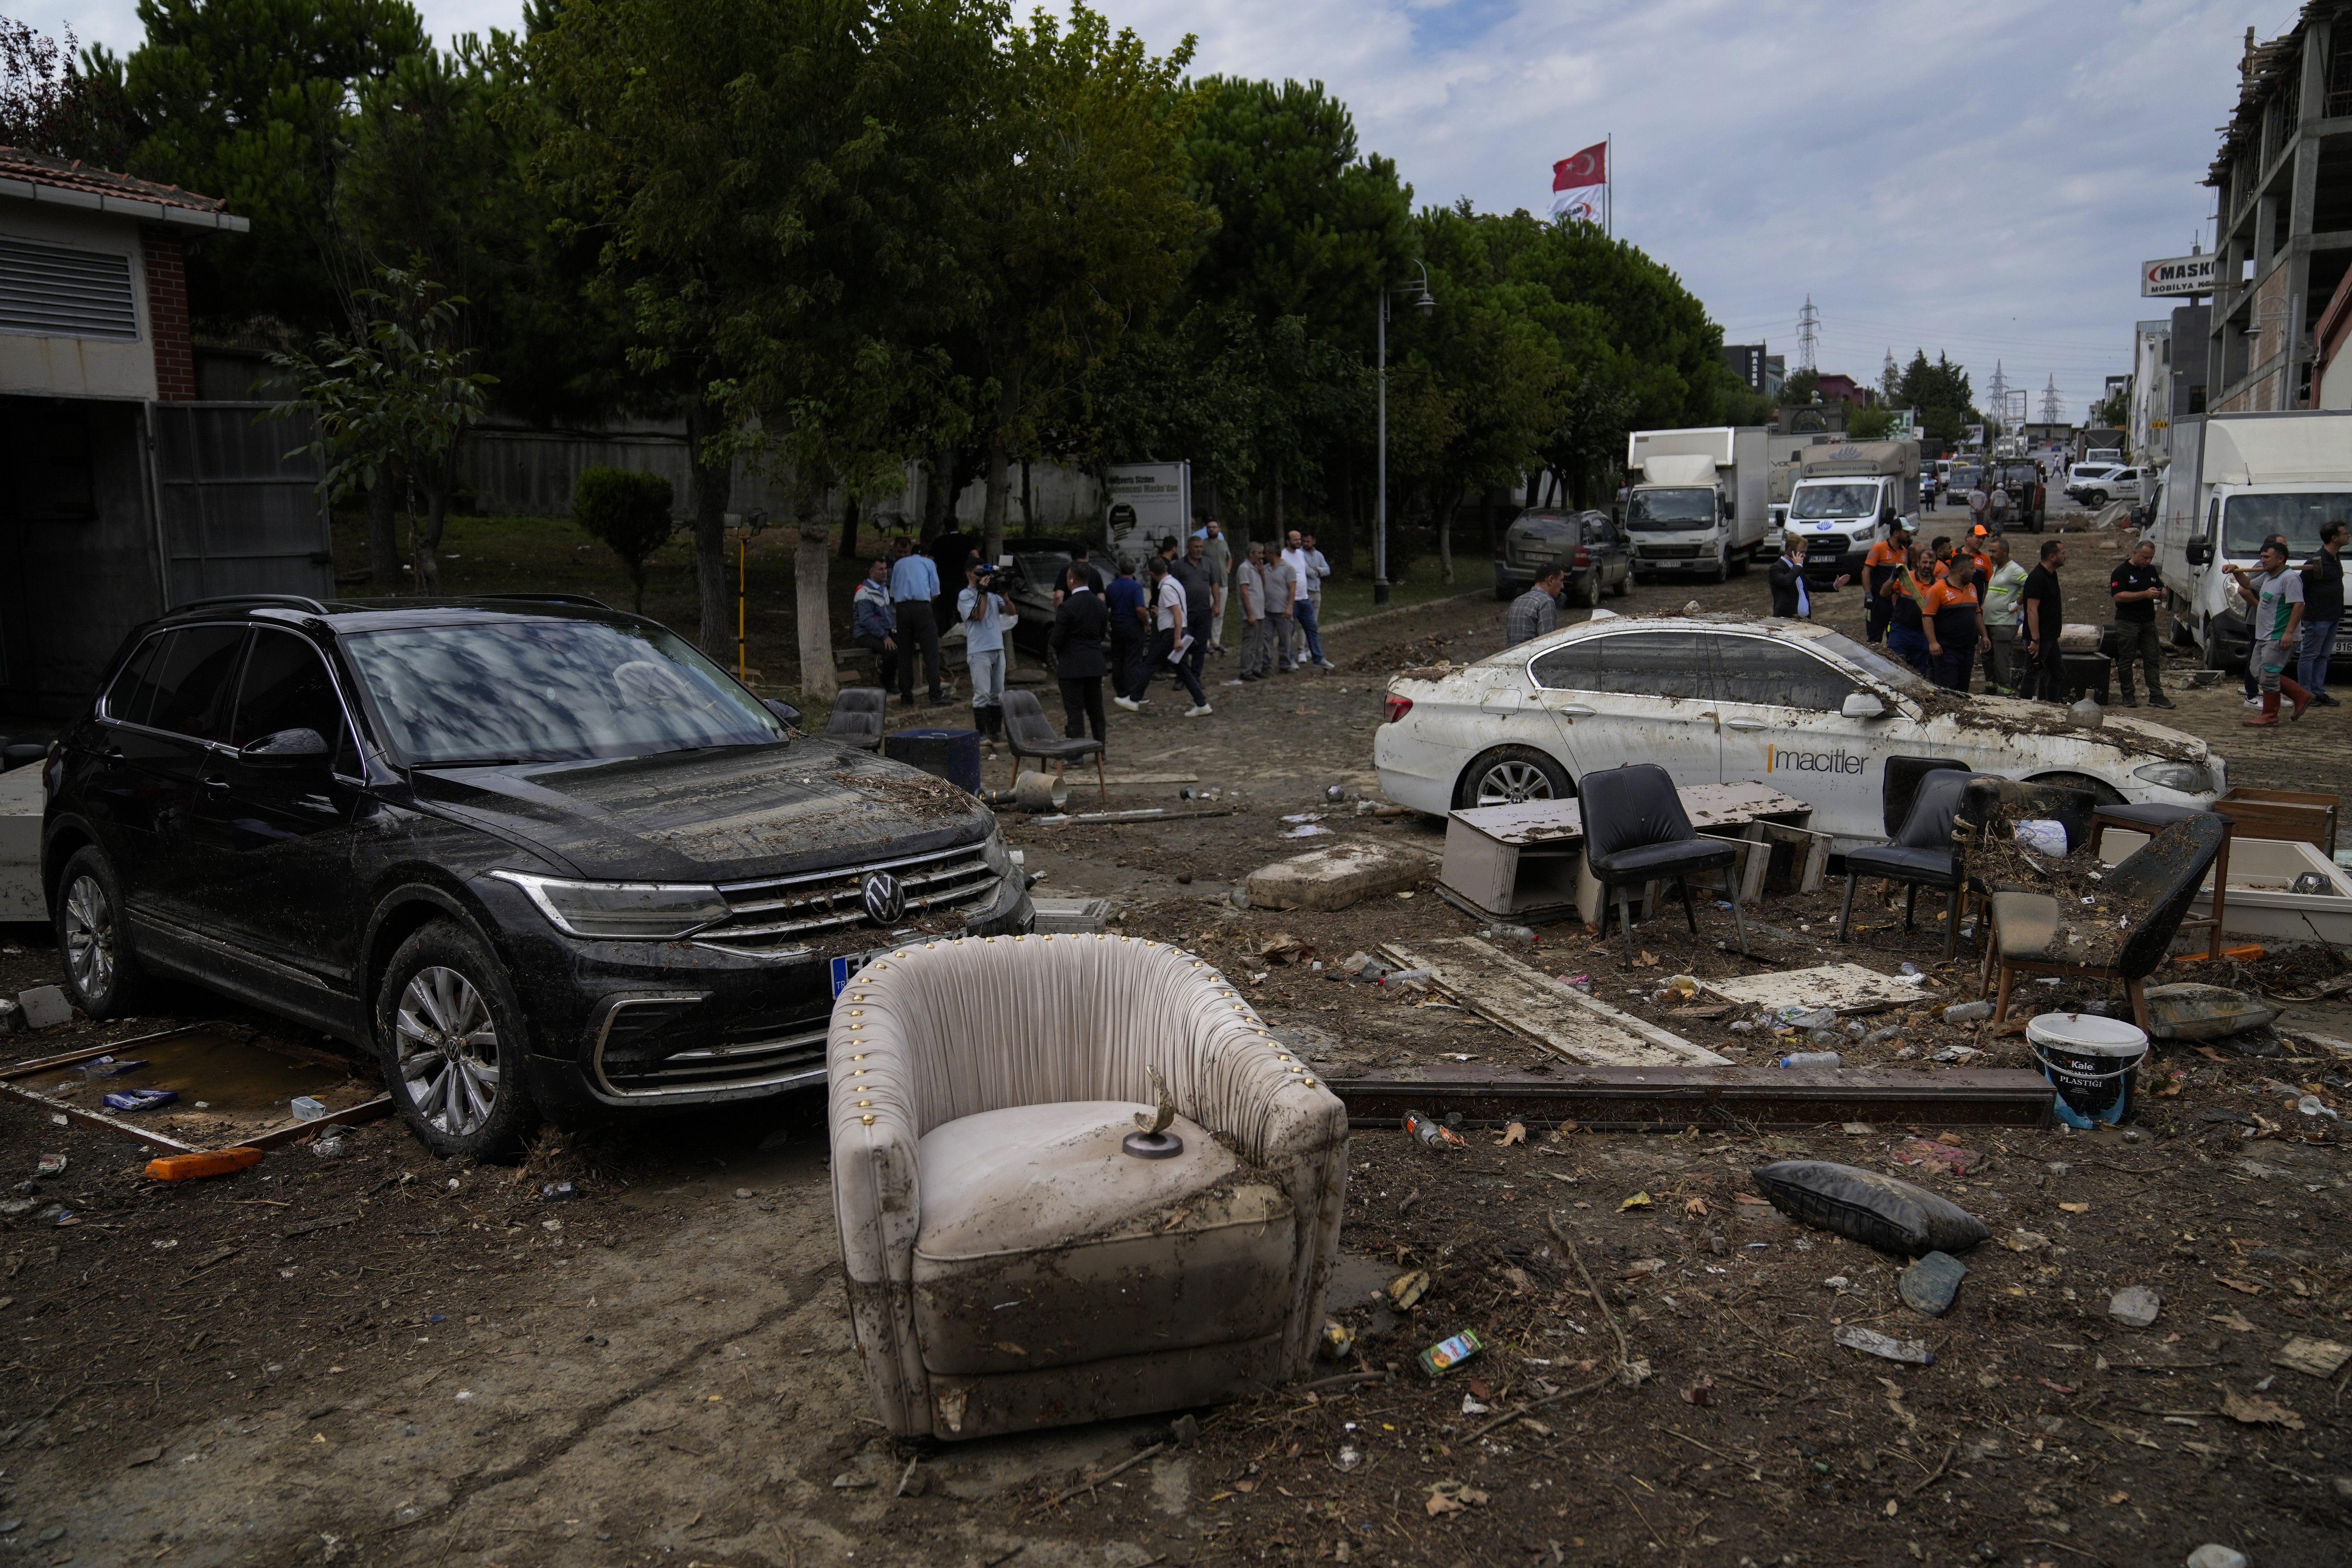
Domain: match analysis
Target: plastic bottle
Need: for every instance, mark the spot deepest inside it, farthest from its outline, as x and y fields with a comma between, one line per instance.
x=1436, y=1135
x=211, y=1163
x=1809, y=1060
x=1966, y=1012
x=1401, y=975
x=1526, y=935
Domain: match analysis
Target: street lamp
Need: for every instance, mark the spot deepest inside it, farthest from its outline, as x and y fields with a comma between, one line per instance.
x=1427, y=305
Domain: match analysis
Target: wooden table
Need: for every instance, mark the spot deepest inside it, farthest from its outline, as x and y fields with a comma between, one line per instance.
x=1526, y=862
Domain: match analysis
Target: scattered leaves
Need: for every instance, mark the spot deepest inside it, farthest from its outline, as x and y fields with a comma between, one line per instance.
x=1517, y=1132
x=2254, y=1410
x=2248, y=1286
x=1638, y=1200
x=2076, y=1208
x=1701, y=1393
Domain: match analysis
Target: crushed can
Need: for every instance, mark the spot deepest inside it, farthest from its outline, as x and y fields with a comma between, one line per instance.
x=1436, y=1135
x=1447, y=1354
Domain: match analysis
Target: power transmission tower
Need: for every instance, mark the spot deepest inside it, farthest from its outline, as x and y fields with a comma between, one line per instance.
x=1890, y=379
x=2051, y=414
x=1809, y=336
x=2000, y=390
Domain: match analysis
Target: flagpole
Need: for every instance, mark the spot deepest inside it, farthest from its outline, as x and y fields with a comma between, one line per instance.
x=1609, y=188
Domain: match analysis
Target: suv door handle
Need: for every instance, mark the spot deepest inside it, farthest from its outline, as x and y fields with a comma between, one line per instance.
x=1743, y=723
x=213, y=785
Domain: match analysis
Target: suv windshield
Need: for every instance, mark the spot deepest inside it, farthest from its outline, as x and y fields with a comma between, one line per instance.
x=553, y=690
x=2250, y=520
x=1658, y=512
x=1834, y=501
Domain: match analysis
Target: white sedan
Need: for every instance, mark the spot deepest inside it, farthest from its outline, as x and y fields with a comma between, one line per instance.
x=1717, y=699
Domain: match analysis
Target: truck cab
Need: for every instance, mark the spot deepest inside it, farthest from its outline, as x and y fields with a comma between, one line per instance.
x=1847, y=499
x=1701, y=503
x=2234, y=480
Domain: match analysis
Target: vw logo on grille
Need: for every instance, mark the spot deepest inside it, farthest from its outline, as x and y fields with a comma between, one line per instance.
x=885, y=900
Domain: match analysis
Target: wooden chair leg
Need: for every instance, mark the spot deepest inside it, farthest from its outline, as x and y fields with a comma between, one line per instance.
x=1624, y=922
x=1738, y=921
x=1846, y=915
x=2000, y=1002
x=2221, y=894
x=1951, y=923
x=2137, y=991
x=1690, y=911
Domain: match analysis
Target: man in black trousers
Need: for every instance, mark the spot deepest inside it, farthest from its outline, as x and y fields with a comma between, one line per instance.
x=2045, y=616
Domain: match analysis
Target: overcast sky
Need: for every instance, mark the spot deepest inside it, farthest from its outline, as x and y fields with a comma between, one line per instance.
x=1983, y=178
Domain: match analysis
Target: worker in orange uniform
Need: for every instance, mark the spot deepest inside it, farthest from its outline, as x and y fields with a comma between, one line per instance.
x=1955, y=630
x=1878, y=568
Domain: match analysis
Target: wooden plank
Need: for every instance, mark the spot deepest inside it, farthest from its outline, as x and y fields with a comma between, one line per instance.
x=1669, y=1098
x=99, y=1120
x=1811, y=855
x=1562, y=1020
x=1840, y=987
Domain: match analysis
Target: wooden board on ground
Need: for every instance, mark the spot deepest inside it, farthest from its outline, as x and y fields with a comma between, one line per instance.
x=1659, y=1099
x=1564, y=1021
x=1840, y=987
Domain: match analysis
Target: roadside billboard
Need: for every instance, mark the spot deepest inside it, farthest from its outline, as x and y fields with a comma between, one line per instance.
x=2178, y=275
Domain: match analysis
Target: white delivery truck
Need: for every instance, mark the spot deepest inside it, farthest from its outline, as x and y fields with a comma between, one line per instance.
x=2234, y=480
x=1700, y=500
x=1846, y=499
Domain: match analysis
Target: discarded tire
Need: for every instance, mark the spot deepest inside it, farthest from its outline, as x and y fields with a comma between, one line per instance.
x=1862, y=1206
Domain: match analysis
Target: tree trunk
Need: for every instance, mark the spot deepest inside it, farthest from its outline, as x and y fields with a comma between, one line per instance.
x=1028, y=508
x=383, y=529
x=1445, y=536
x=939, y=496
x=849, y=529
x=811, y=601
x=1281, y=522
x=426, y=538
x=714, y=486
x=1000, y=458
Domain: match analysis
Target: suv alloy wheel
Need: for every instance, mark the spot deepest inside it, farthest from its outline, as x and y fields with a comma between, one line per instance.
x=449, y=1034
x=102, y=976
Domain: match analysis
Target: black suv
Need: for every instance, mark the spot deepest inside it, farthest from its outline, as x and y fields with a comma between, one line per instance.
x=543, y=858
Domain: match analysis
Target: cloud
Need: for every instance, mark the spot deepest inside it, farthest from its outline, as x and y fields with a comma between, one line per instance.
x=1981, y=178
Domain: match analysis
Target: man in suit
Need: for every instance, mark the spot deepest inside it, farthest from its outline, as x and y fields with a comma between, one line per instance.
x=1080, y=623
x=1793, y=597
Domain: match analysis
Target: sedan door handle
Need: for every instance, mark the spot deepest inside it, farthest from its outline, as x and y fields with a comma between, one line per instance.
x=1574, y=710
x=1743, y=723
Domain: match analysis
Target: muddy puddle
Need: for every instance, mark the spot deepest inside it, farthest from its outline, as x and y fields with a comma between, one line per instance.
x=228, y=1087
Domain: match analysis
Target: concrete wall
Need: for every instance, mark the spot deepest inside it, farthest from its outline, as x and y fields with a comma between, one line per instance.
x=79, y=367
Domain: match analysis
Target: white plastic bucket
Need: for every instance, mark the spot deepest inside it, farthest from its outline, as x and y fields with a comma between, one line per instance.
x=2094, y=1063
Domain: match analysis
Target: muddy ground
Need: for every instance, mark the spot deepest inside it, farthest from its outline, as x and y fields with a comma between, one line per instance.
x=450, y=1369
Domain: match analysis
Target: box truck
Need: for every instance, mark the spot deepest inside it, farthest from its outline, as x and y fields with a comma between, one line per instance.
x=2234, y=480
x=1847, y=498
x=1700, y=500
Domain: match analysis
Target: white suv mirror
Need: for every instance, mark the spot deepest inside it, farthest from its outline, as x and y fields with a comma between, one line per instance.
x=1863, y=705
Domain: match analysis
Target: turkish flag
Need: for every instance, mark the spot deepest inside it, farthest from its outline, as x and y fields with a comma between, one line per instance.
x=1589, y=167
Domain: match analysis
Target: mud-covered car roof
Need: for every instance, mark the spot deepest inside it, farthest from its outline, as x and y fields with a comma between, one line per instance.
x=382, y=614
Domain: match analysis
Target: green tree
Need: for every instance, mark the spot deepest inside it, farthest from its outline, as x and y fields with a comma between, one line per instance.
x=1941, y=392
x=245, y=100
x=1079, y=222
x=1874, y=422
x=629, y=512
x=52, y=101
x=1797, y=388
x=392, y=398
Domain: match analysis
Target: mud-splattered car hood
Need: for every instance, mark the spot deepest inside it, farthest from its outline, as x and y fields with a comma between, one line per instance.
x=724, y=814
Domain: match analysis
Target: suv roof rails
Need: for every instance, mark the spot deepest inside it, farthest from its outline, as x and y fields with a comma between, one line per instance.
x=581, y=599
x=300, y=601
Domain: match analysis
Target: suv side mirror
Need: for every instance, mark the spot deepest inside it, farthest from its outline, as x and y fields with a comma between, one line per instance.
x=783, y=710
x=2200, y=552
x=285, y=748
x=1862, y=705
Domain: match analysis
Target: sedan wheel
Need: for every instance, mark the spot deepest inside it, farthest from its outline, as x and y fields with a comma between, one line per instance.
x=1510, y=775
x=448, y=1051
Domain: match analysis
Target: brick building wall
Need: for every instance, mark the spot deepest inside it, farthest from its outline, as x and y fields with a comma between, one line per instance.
x=167, y=318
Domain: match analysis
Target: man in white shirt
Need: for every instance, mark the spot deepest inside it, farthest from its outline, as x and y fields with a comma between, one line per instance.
x=1301, y=559
x=1168, y=618
x=1322, y=570
x=978, y=607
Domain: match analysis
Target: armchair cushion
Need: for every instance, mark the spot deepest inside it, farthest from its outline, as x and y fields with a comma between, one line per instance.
x=1044, y=1244
x=1675, y=858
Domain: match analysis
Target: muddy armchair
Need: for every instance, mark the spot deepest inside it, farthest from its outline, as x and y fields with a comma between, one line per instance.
x=1076, y=1178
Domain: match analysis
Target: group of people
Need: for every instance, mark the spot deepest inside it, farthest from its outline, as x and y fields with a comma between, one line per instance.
x=2293, y=612
x=1128, y=629
x=1945, y=606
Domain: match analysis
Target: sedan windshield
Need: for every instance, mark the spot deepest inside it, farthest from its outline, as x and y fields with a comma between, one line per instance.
x=536, y=691
x=1665, y=511
x=1834, y=501
x=2250, y=520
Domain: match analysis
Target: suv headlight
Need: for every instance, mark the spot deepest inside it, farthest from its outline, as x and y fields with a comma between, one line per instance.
x=626, y=911
x=2189, y=778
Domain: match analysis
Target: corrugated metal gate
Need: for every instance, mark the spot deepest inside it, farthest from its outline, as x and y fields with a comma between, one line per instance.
x=239, y=516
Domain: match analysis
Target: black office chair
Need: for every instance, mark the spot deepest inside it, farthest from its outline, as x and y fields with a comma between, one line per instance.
x=1922, y=854
x=858, y=713
x=1636, y=831
x=1029, y=734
